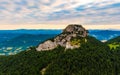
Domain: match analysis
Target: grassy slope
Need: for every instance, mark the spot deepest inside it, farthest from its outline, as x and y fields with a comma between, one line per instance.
x=114, y=43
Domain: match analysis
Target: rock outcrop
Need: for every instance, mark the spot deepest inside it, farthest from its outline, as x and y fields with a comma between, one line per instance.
x=48, y=45
x=66, y=38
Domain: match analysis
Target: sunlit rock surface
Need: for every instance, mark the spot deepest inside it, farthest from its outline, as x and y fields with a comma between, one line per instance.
x=64, y=39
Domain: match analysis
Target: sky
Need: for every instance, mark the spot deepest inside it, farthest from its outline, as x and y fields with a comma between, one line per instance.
x=17, y=14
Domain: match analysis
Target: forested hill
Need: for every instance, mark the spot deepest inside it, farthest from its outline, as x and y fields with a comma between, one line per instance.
x=92, y=58
x=73, y=52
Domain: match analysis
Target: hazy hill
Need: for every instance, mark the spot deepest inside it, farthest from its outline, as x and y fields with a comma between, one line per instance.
x=22, y=42
x=10, y=34
x=116, y=39
x=104, y=34
x=27, y=40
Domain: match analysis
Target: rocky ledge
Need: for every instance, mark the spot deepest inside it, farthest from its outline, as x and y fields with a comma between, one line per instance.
x=70, y=38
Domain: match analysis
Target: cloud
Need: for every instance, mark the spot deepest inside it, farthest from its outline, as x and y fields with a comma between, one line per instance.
x=59, y=11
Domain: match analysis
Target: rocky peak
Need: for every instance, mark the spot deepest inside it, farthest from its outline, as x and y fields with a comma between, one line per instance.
x=76, y=29
x=65, y=39
x=72, y=28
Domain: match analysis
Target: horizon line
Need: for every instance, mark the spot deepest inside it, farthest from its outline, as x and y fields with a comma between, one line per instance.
x=57, y=27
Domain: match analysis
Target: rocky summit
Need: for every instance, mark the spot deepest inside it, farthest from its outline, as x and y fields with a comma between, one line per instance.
x=71, y=37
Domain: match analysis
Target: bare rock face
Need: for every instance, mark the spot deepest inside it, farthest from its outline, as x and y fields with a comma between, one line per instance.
x=48, y=45
x=64, y=39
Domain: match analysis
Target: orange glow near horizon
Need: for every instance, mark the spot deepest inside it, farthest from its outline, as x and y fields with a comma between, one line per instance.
x=47, y=26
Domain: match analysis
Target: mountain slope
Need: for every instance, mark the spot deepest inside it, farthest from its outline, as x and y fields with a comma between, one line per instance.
x=114, y=46
x=91, y=58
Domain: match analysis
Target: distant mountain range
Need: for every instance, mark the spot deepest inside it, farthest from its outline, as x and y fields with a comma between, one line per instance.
x=6, y=34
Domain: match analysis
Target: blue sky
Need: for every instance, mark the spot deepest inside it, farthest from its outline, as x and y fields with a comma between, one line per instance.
x=59, y=11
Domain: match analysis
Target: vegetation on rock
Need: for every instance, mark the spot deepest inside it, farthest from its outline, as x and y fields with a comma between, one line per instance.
x=64, y=39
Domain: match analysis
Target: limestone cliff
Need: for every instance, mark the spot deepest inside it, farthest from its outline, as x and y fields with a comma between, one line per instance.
x=70, y=38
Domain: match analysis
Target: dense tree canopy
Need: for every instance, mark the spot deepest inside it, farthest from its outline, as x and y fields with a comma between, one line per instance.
x=92, y=58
